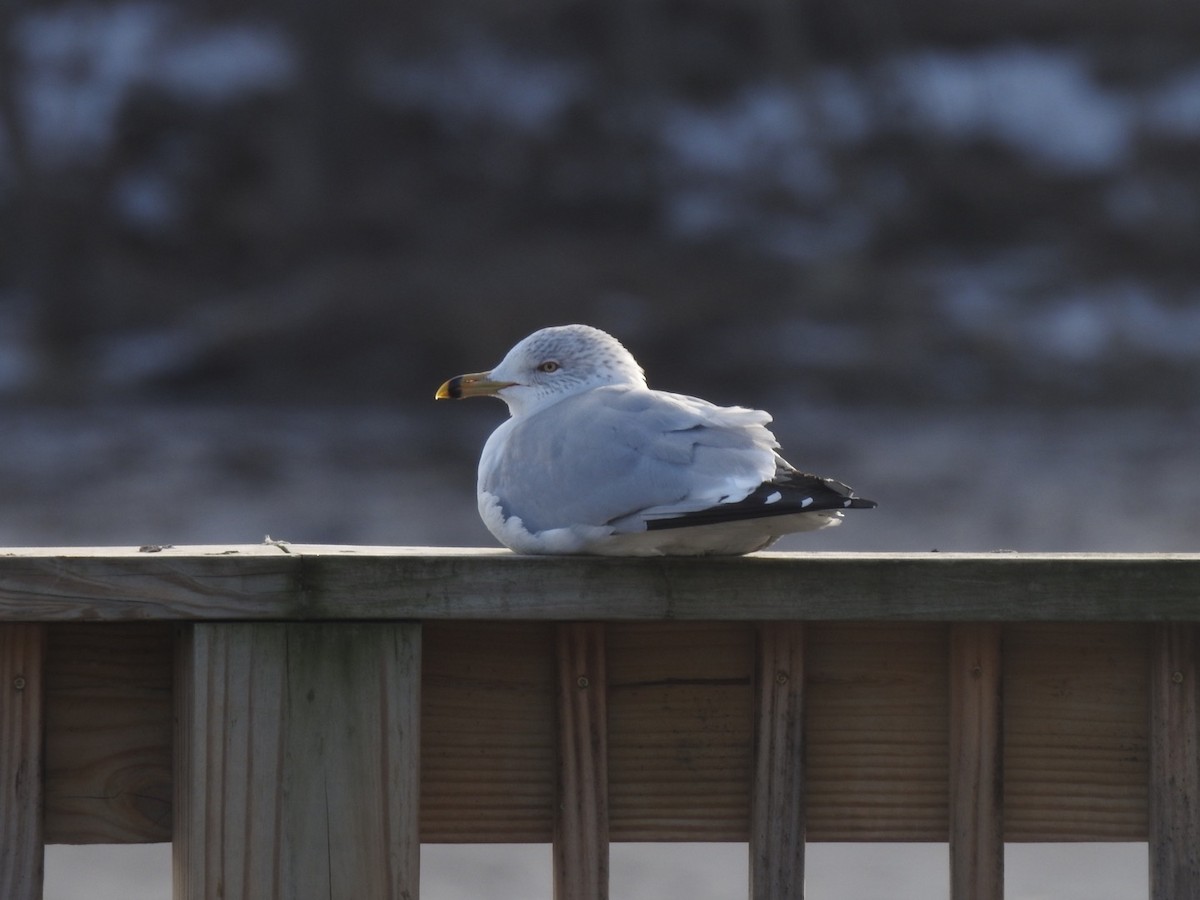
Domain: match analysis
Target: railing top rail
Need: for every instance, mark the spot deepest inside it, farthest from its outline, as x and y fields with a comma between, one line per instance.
x=279, y=581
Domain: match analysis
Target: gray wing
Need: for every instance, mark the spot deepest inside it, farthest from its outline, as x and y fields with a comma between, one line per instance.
x=619, y=456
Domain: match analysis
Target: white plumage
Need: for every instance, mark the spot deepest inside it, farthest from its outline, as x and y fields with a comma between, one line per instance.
x=593, y=461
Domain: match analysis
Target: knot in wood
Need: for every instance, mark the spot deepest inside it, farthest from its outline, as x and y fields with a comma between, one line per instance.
x=781, y=678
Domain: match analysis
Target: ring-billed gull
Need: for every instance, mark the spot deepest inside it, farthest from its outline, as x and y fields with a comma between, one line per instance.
x=593, y=461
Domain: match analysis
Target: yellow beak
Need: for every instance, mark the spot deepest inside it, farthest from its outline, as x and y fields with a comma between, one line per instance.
x=478, y=384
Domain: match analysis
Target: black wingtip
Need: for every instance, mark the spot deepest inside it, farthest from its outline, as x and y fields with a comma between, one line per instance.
x=789, y=494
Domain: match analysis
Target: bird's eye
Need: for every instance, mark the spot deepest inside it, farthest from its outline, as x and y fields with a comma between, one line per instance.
x=549, y=366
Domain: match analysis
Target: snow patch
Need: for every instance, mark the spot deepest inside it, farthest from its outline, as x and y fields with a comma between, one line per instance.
x=763, y=129
x=78, y=63
x=130, y=358
x=1001, y=305
x=1040, y=102
x=479, y=82
x=216, y=65
x=148, y=199
x=1174, y=109
x=1118, y=318
x=760, y=166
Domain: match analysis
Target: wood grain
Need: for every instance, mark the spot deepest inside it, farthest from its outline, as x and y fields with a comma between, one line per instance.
x=581, y=820
x=681, y=723
x=109, y=708
x=680, y=727
x=488, y=738
x=976, y=764
x=296, y=582
x=878, y=717
x=296, y=755
x=777, y=813
x=22, y=650
x=1075, y=740
x=298, y=762
x=1175, y=762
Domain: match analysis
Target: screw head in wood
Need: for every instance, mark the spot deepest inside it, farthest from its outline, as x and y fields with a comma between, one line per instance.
x=19, y=683
x=781, y=678
x=582, y=681
x=1177, y=678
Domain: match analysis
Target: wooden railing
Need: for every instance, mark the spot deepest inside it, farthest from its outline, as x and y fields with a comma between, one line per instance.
x=297, y=720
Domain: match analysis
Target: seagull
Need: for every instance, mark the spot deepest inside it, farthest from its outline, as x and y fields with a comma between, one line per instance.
x=592, y=461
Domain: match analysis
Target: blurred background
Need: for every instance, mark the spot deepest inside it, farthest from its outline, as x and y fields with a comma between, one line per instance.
x=953, y=247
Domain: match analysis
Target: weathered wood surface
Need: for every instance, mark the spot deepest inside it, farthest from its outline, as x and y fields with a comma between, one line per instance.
x=108, y=733
x=22, y=650
x=777, y=805
x=489, y=734
x=297, y=762
x=581, y=812
x=681, y=724
x=304, y=749
x=976, y=763
x=1175, y=762
x=296, y=582
x=1075, y=740
x=878, y=727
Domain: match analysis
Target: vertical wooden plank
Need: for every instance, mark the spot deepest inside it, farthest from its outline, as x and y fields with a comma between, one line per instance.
x=489, y=732
x=680, y=730
x=1174, y=762
x=22, y=650
x=581, y=822
x=353, y=773
x=228, y=761
x=1076, y=731
x=297, y=761
x=778, y=813
x=976, y=773
x=877, y=700
x=109, y=726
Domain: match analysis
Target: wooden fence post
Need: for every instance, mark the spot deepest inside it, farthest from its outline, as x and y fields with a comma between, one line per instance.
x=22, y=649
x=976, y=774
x=297, y=761
x=1174, y=775
x=778, y=813
x=581, y=816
